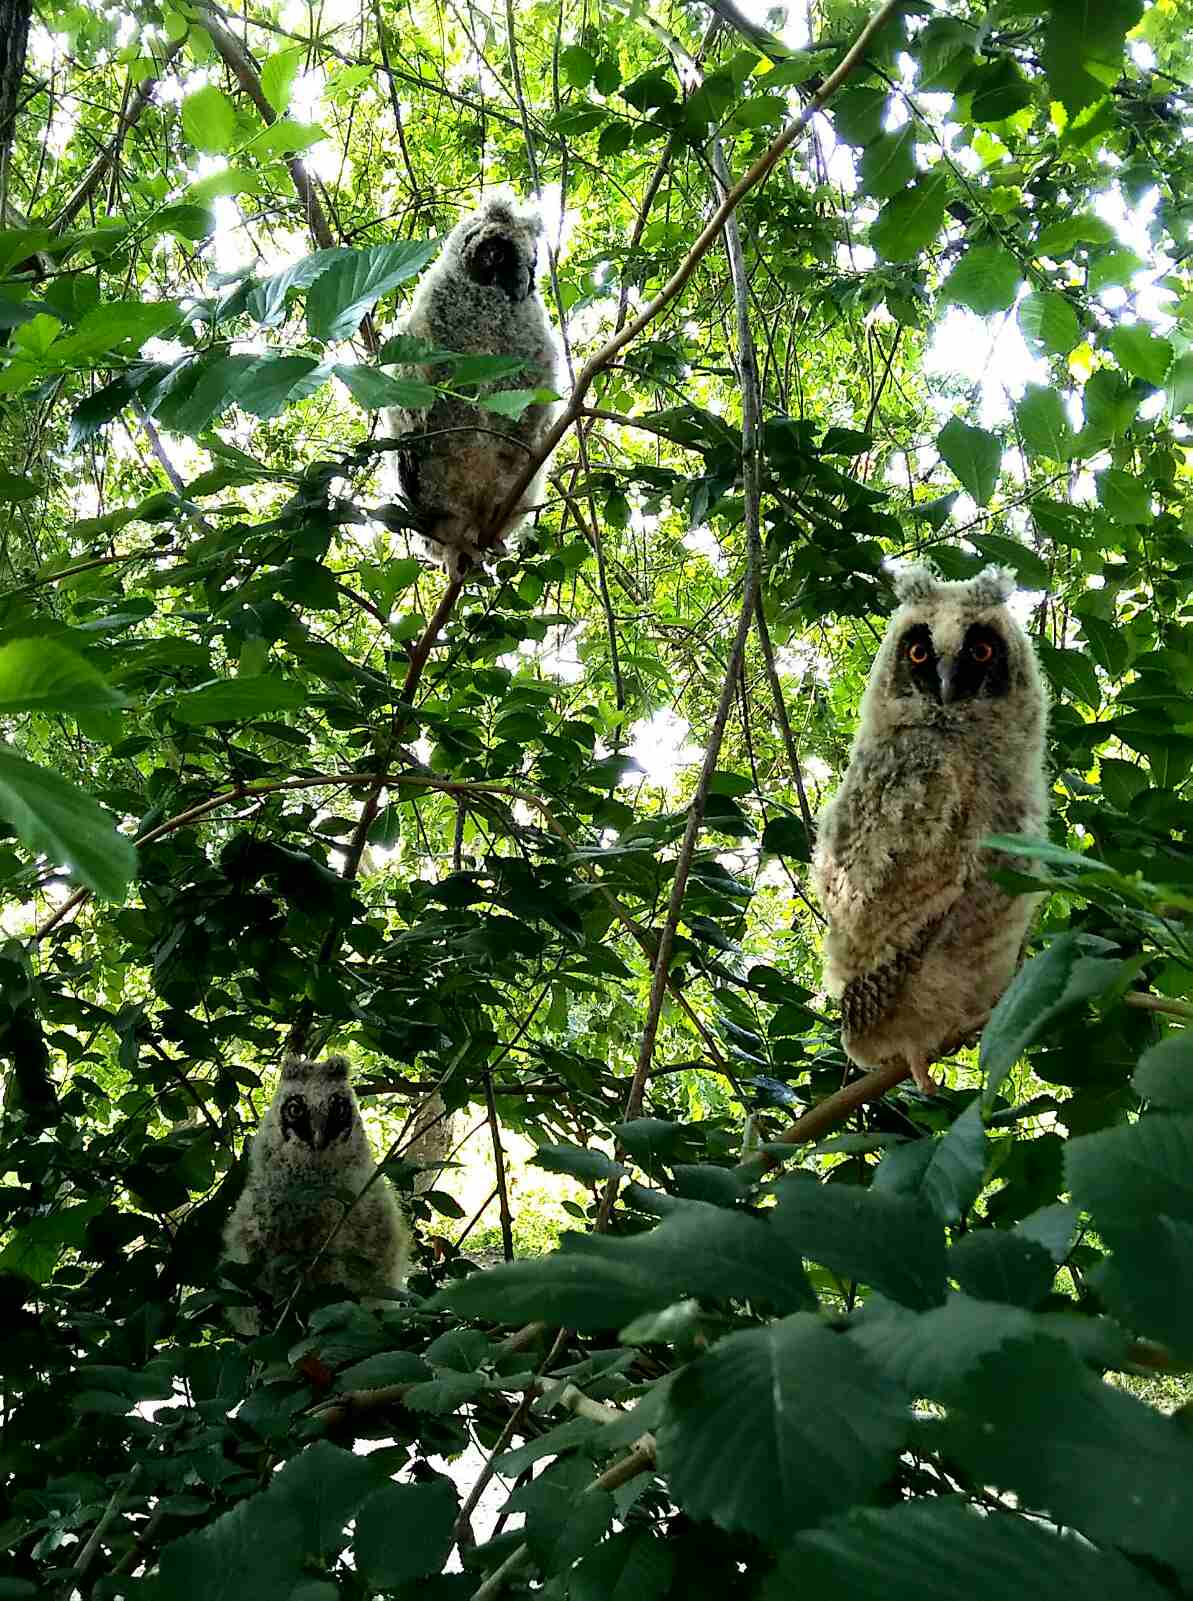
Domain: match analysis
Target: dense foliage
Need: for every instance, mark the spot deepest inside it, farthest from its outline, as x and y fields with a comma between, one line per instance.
x=260, y=786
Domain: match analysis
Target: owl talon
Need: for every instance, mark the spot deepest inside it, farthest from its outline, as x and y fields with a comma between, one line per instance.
x=924, y=1082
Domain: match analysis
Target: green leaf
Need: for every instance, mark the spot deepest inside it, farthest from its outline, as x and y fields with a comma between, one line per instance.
x=632, y=1565
x=888, y=162
x=1037, y=1422
x=1050, y=985
x=1073, y=672
x=237, y=700
x=1114, y=270
x=1135, y=1172
x=16, y=487
x=278, y=75
x=1140, y=352
x=1058, y=239
x=953, y=1177
x=997, y=90
x=354, y=283
x=599, y=1282
x=996, y=1265
x=911, y=220
x=43, y=675
x=404, y=1532
x=285, y=137
x=778, y=1426
x=973, y=455
x=209, y=119
x=1043, y=424
x=787, y=836
x=1124, y=497
x=1048, y=323
x=267, y=302
x=940, y=1550
x=1083, y=48
x=53, y=817
x=513, y=402
x=986, y=279
x=578, y=65
x=372, y=389
x=34, y=1249
x=588, y=1166
x=264, y=387
x=1144, y=1283
x=1165, y=1072
x=886, y=1241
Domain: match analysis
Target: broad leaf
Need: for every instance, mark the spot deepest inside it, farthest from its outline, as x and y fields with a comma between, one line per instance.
x=1165, y=1072
x=1048, y=323
x=54, y=817
x=404, y=1532
x=940, y=1550
x=237, y=700
x=1042, y=991
x=986, y=279
x=1132, y=1173
x=1043, y=425
x=893, y=1244
x=974, y=456
x=209, y=119
x=911, y=220
x=353, y=284
x=778, y=1426
x=42, y=675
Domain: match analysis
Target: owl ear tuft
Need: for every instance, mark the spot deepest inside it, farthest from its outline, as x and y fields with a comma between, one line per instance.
x=306, y=1067
x=993, y=586
x=915, y=582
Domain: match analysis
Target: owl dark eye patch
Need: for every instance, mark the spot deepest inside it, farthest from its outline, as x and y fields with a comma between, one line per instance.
x=338, y=1121
x=982, y=667
x=916, y=671
x=497, y=264
x=296, y=1119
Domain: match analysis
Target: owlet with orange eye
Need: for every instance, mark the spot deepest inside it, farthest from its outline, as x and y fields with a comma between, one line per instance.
x=949, y=750
x=314, y=1210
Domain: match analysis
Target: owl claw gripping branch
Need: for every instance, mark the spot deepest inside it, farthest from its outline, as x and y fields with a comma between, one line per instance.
x=949, y=749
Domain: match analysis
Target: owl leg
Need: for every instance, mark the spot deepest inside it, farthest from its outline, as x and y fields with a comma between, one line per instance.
x=920, y=1071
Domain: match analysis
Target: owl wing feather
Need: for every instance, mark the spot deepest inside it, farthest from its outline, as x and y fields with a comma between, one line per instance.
x=894, y=855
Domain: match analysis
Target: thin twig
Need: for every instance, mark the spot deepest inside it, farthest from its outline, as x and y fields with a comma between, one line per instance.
x=776, y=689
x=507, y=1221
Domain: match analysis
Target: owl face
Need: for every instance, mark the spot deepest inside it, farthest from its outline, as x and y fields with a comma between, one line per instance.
x=314, y=1117
x=317, y=1125
x=497, y=248
x=953, y=655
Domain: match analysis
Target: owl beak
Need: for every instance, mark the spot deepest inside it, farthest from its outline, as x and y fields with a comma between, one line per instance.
x=946, y=668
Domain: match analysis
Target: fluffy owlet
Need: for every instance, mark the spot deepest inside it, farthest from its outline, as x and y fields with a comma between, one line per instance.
x=309, y=1159
x=480, y=298
x=949, y=749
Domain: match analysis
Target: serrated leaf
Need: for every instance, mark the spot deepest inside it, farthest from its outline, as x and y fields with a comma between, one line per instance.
x=1043, y=424
x=893, y=1244
x=43, y=675
x=632, y=1565
x=1083, y=49
x=1132, y=1173
x=35, y=1247
x=209, y=119
x=354, y=283
x=953, y=1177
x=54, y=817
x=1114, y=270
x=910, y=220
x=404, y=1532
x=888, y=162
x=1048, y=323
x=986, y=279
x=1165, y=1072
x=1036, y=1421
x=236, y=700
x=373, y=389
x=1042, y=991
x=513, y=402
x=778, y=1426
x=1144, y=1282
x=973, y=455
x=940, y=1550
x=1140, y=352
x=587, y=1166
x=997, y=1265
x=278, y=75
x=1124, y=497
x=1072, y=671
x=599, y=1282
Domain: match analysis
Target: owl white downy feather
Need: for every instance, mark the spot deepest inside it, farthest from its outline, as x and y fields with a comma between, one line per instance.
x=296, y=1218
x=949, y=750
x=480, y=298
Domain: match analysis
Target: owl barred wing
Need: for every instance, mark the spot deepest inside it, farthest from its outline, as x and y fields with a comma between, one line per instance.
x=873, y=996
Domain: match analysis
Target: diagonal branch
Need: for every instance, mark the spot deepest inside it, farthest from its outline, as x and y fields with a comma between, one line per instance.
x=707, y=237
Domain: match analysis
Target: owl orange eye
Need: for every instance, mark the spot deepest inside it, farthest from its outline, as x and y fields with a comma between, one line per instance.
x=917, y=655
x=982, y=652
